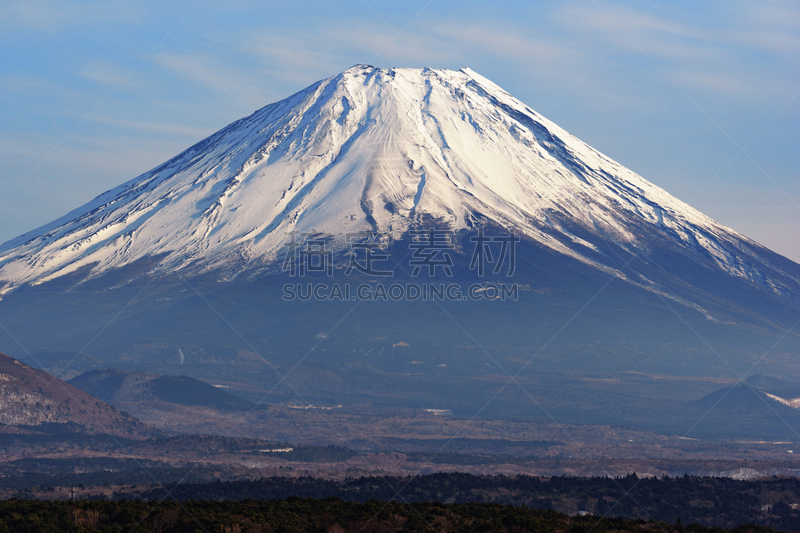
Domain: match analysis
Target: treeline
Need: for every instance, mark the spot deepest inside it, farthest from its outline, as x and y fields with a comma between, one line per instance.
x=710, y=501
x=300, y=515
x=28, y=484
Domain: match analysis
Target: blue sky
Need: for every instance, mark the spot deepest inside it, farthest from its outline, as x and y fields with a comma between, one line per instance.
x=701, y=100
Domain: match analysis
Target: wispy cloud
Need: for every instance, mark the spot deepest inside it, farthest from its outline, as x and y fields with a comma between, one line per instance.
x=166, y=129
x=110, y=74
x=304, y=57
x=772, y=26
x=237, y=88
x=723, y=82
x=703, y=54
x=11, y=83
x=502, y=40
x=54, y=15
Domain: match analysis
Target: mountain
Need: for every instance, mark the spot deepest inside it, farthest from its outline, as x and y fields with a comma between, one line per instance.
x=285, y=254
x=32, y=401
x=120, y=388
x=380, y=150
x=753, y=408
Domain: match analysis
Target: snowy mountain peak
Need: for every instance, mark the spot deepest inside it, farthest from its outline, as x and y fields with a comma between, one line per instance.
x=376, y=150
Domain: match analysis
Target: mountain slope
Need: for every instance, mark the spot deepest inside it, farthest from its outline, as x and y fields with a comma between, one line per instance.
x=30, y=397
x=383, y=151
x=119, y=387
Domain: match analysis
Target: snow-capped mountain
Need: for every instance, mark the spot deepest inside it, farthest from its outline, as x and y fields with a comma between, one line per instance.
x=627, y=297
x=383, y=150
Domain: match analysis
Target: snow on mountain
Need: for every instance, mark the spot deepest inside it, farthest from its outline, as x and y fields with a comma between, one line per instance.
x=378, y=150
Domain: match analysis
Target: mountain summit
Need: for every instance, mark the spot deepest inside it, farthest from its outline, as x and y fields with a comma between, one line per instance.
x=384, y=150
